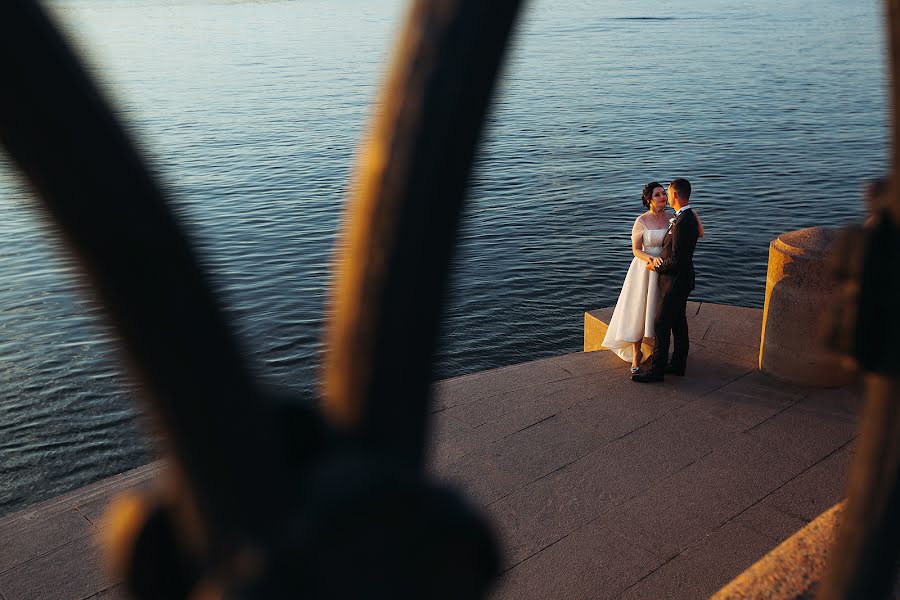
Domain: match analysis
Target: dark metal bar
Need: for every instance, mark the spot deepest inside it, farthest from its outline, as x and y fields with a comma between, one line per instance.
x=402, y=220
x=63, y=135
x=865, y=557
x=864, y=560
x=892, y=21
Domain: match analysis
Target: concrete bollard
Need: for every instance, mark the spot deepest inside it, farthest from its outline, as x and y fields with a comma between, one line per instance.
x=799, y=286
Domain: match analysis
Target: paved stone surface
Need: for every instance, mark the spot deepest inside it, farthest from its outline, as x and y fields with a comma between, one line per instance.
x=597, y=487
x=50, y=550
x=794, y=568
x=701, y=569
x=70, y=572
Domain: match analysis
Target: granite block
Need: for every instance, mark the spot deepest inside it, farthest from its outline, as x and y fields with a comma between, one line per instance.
x=735, y=332
x=542, y=448
x=489, y=409
x=729, y=410
x=758, y=384
x=547, y=509
x=550, y=508
x=707, y=370
x=590, y=564
x=672, y=515
x=41, y=537
x=621, y=406
x=450, y=440
x=94, y=509
x=514, y=422
x=796, y=439
x=727, y=312
x=117, y=592
x=770, y=521
x=480, y=479
x=702, y=569
x=815, y=490
x=847, y=401
x=468, y=388
x=587, y=363
x=71, y=572
x=100, y=490
x=744, y=356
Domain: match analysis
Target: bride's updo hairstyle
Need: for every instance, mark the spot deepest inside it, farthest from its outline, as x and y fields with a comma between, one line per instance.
x=647, y=193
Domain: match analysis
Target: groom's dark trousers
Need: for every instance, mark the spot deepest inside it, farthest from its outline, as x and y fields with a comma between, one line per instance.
x=676, y=282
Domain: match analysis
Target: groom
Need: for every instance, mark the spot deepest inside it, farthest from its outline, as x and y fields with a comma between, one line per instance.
x=676, y=281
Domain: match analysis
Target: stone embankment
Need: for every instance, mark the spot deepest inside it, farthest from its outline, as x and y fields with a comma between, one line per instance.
x=596, y=487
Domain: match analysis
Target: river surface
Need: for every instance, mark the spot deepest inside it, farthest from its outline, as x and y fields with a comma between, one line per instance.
x=250, y=112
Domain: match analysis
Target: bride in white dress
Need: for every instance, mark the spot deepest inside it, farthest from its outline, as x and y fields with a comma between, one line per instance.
x=632, y=319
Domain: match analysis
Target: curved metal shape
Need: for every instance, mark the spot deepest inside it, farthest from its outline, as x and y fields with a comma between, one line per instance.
x=402, y=221
x=62, y=134
x=400, y=233
x=267, y=484
x=864, y=559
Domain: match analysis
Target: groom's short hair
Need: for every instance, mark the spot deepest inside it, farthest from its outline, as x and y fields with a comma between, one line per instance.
x=682, y=188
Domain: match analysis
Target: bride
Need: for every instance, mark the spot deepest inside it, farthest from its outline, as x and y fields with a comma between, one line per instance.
x=632, y=319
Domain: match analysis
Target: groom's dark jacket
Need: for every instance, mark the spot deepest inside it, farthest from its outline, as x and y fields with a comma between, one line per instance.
x=676, y=273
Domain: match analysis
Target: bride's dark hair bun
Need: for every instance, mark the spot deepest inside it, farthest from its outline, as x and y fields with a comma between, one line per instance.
x=647, y=192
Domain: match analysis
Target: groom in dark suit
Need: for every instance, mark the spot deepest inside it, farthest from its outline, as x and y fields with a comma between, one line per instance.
x=675, y=267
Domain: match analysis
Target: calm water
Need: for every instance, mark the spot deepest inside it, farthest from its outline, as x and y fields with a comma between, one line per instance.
x=250, y=113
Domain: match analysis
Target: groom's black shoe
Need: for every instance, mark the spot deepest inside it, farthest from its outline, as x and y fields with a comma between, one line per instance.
x=647, y=377
x=673, y=370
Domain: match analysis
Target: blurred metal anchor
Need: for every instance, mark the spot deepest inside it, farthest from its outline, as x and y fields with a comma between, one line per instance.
x=865, y=327
x=267, y=499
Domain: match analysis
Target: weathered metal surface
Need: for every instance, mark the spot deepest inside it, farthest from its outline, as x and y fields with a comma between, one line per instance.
x=92, y=180
x=402, y=220
x=868, y=546
x=265, y=499
x=864, y=559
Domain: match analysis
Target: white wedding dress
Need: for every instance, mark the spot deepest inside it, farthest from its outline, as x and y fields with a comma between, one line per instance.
x=632, y=318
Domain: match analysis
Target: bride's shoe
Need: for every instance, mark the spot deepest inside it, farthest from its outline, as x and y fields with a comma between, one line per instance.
x=639, y=357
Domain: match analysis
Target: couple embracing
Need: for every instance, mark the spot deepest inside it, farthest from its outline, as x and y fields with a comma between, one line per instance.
x=654, y=296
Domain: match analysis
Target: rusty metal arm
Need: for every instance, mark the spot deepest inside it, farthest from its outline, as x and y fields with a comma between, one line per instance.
x=62, y=134
x=864, y=560
x=403, y=218
x=301, y=506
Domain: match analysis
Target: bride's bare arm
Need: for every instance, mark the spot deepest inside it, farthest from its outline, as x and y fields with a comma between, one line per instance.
x=637, y=242
x=636, y=248
x=699, y=225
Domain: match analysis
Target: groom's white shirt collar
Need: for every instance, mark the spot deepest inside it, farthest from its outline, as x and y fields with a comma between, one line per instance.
x=682, y=209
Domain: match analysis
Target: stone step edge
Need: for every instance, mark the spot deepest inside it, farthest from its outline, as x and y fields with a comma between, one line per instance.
x=596, y=322
x=793, y=568
x=56, y=505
